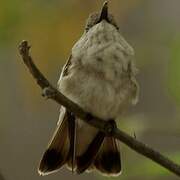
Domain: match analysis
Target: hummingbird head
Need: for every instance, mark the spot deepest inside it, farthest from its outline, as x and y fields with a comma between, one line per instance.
x=96, y=18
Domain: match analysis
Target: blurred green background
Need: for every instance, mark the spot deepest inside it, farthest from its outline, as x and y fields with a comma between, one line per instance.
x=152, y=27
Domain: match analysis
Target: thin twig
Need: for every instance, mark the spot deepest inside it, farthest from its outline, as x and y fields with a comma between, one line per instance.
x=109, y=129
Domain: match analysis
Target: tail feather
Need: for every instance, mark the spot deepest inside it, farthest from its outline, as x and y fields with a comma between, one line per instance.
x=71, y=160
x=108, y=160
x=57, y=152
x=102, y=152
x=85, y=161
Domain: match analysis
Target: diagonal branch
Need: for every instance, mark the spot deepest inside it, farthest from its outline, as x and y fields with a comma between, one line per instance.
x=108, y=128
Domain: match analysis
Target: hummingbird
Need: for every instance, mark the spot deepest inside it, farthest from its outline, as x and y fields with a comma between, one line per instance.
x=99, y=76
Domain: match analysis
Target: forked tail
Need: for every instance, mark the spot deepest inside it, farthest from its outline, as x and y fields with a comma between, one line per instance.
x=102, y=153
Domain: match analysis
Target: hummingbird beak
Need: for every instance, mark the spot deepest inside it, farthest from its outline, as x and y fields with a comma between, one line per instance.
x=104, y=12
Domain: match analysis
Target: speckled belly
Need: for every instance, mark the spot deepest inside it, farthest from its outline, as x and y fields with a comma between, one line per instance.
x=95, y=94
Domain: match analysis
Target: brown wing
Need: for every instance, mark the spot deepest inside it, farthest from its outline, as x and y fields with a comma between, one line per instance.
x=65, y=70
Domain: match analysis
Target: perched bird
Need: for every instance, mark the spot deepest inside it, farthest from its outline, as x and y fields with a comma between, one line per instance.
x=100, y=77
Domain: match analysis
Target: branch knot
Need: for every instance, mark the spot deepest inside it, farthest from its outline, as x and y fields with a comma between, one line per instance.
x=109, y=127
x=49, y=92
